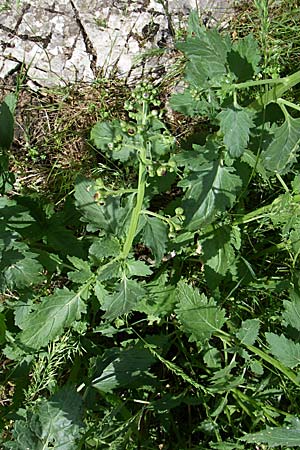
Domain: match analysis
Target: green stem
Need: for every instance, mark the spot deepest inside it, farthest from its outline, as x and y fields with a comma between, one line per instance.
x=287, y=103
x=278, y=90
x=137, y=210
x=269, y=359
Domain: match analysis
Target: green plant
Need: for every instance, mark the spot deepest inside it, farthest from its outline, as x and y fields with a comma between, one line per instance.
x=163, y=282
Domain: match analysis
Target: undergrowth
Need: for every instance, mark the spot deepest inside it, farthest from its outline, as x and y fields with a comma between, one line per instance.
x=156, y=304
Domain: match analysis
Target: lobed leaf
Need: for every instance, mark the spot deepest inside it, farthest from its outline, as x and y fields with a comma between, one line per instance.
x=199, y=316
x=154, y=236
x=210, y=190
x=248, y=332
x=284, y=349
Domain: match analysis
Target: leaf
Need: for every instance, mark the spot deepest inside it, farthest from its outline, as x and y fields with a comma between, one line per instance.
x=19, y=270
x=244, y=58
x=284, y=349
x=282, y=151
x=288, y=436
x=208, y=52
x=109, y=217
x=188, y=104
x=124, y=300
x=83, y=272
x=235, y=124
x=103, y=248
x=123, y=368
x=154, y=236
x=7, y=110
x=54, y=424
x=51, y=316
x=248, y=332
x=218, y=254
x=137, y=268
x=209, y=191
x=291, y=315
x=200, y=317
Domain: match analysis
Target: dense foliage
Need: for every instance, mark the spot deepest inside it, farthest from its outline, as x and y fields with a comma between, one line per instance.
x=161, y=308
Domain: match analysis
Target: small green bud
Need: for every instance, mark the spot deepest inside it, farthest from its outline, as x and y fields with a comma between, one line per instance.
x=179, y=211
x=161, y=171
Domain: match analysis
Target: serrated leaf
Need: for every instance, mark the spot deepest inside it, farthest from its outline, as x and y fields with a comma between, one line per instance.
x=19, y=270
x=282, y=151
x=209, y=52
x=123, y=368
x=54, y=424
x=154, y=236
x=128, y=294
x=288, y=436
x=83, y=272
x=110, y=217
x=103, y=248
x=188, y=105
x=248, y=332
x=284, y=349
x=199, y=316
x=291, y=314
x=244, y=58
x=218, y=254
x=235, y=124
x=50, y=317
x=137, y=268
x=209, y=191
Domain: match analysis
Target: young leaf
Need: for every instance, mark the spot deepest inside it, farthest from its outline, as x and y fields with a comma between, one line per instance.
x=104, y=248
x=244, y=58
x=248, y=332
x=123, y=368
x=291, y=315
x=50, y=317
x=54, y=424
x=124, y=300
x=282, y=151
x=154, y=236
x=210, y=190
x=200, y=317
x=284, y=349
x=235, y=124
x=288, y=436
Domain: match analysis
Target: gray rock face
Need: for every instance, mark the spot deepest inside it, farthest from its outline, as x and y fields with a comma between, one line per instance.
x=64, y=41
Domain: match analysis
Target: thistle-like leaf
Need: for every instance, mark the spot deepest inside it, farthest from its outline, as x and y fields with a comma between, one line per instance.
x=235, y=124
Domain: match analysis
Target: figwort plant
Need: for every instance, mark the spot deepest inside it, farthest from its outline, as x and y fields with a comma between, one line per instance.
x=178, y=316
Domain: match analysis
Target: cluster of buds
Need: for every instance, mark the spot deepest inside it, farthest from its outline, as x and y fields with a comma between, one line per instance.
x=162, y=169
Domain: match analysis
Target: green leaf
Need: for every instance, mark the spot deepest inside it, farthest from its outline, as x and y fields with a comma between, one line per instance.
x=83, y=272
x=110, y=217
x=200, y=317
x=137, y=268
x=7, y=110
x=154, y=236
x=248, y=332
x=209, y=191
x=284, y=349
x=218, y=254
x=19, y=270
x=50, y=317
x=208, y=52
x=244, y=58
x=235, y=124
x=104, y=248
x=291, y=315
x=123, y=368
x=282, y=151
x=189, y=105
x=124, y=300
x=53, y=424
x=288, y=436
